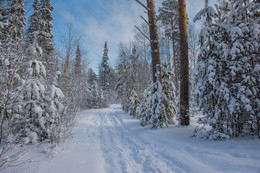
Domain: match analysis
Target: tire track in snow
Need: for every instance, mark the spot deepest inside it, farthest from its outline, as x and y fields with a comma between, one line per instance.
x=124, y=152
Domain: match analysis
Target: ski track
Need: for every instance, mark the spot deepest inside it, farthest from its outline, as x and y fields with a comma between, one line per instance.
x=132, y=155
x=110, y=141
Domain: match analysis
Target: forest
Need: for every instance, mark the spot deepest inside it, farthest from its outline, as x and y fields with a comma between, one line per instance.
x=169, y=72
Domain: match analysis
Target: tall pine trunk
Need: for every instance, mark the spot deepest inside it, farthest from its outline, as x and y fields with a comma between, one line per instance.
x=184, y=63
x=154, y=40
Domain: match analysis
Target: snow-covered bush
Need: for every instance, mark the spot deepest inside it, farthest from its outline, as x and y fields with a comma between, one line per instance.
x=135, y=103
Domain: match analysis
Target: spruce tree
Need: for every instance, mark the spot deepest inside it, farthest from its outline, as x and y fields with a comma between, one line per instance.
x=78, y=66
x=34, y=25
x=123, y=82
x=226, y=77
x=92, y=77
x=57, y=117
x=168, y=15
x=158, y=107
x=135, y=103
x=29, y=109
x=12, y=21
x=96, y=98
x=46, y=36
x=104, y=74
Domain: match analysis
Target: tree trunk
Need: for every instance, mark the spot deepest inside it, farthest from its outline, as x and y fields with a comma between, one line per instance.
x=184, y=61
x=173, y=50
x=154, y=40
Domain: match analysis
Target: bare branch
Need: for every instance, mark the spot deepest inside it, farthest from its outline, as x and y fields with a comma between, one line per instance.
x=145, y=20
x=143, y=33
x=143, y=5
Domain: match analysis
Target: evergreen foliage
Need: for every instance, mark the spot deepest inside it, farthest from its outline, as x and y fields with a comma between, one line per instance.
x=78, y=66
x=45, y=37
x=104, y=74
x=135, y=103
x=158, y=108
x=227, y=77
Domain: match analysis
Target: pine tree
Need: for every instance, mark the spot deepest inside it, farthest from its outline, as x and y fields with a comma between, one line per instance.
x=29, y=110
x=243, y=67
x=12, y=21
x=112, y=85
x=123, y=82
x=227, y=78
x=169, y=90
x=32, y=32
x=92, y=77
x=78, y=66
x=78, y=85
x=135, y=103
x=168, y=15
x=31, y=45
x=104, y=73
x=96, y=98
x=184, y=65
x=157, y=108
x=46, y=36
x=206, y=72
x=155, y=48
x=57, y=119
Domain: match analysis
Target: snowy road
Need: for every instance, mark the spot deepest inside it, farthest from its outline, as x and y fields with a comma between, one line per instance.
x=110, y=141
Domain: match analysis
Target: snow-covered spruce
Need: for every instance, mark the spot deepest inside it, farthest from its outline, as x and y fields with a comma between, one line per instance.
x=123, y=86
x=135, y=103
x=56, y=121
x=30, y=116
x=226, y=77
x=104, y=74
x=96, y=97
x=158, y=110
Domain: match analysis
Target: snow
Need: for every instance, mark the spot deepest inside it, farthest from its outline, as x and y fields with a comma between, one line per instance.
x=6, y=62
x=32, y=136
x=110, y=141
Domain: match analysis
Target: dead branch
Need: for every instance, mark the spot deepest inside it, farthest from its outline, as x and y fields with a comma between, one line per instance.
x=143, y=33
x=143, y=5
x=145, y=20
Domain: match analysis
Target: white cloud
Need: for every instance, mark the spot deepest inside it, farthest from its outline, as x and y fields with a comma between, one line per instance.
x=112, y=21
x=117, y=26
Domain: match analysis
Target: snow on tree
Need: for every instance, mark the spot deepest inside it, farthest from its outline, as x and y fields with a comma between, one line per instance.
x=169, y=90
x=134, y=108
x=112, y=85
x=12, y=20
x=57, y=119
x=78, y=66
x=92, y=77
x=78, y=84
x=206, y=73
x=158, y=109
x=168, y=15
x=226, y=78
x=134, y=67
x=96, y=98
x=104, y=74
x=124, y=84
x=30, y=116
x=46, y=36
x=32, y=33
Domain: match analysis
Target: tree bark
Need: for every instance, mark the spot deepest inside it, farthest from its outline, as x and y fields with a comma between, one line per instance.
x=154, y=41
x=184, y=61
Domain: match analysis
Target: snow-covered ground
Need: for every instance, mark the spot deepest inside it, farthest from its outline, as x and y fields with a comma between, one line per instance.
x=110, y=141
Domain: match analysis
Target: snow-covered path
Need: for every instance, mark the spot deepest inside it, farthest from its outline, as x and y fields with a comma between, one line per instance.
x=110, y=141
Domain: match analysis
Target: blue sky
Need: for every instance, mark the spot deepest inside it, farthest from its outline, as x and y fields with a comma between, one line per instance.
x=104, y=20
